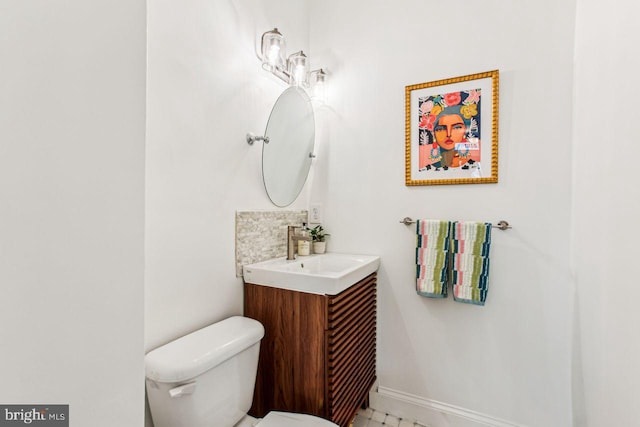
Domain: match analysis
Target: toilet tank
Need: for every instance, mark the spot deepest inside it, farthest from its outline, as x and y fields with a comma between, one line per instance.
x=205, y=378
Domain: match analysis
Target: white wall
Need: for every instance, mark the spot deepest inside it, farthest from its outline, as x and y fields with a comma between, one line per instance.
x=606, y=208
x=206, y=90
x=72, y=114
x=509, y=360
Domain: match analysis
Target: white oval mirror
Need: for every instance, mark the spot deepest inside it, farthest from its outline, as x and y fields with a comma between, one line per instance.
x=286, y=159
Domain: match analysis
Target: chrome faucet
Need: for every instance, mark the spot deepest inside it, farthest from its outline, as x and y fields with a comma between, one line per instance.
x=292, y=239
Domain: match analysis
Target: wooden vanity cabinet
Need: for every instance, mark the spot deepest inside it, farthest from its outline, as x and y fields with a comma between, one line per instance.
x=318, y=355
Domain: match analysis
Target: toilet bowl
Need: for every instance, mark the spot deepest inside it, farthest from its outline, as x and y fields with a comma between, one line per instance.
x=206, y=379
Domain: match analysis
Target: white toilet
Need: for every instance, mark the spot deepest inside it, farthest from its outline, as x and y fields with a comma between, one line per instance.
x=206, y=379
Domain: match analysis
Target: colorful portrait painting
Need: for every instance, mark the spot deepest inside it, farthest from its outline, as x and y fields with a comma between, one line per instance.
x=447, y=137
x=449, y=130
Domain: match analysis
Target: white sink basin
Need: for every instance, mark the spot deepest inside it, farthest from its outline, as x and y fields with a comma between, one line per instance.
x=325, y=274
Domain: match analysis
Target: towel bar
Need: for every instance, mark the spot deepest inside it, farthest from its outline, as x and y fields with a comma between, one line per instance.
x=501, y=225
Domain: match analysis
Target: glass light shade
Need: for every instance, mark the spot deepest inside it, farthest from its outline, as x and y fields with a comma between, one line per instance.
x=273, y=50
x=318, y=79
x=298, y=69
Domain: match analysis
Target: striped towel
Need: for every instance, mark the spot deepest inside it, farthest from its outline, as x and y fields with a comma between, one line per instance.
x=432, y=257
x=471, y=242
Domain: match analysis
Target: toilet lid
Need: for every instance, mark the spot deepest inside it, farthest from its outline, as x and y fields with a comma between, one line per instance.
x=289, y=419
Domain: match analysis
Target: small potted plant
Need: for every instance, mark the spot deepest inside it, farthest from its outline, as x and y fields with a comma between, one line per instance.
x=318, y=235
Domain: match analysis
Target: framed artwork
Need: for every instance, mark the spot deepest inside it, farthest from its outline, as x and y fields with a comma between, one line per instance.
x=452, y=131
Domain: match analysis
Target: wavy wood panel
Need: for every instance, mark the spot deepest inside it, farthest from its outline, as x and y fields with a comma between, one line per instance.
x=351, y=349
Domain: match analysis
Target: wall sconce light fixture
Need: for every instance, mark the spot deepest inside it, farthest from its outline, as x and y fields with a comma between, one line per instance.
x=294, y=69
x=273, y=50
x=318, y=78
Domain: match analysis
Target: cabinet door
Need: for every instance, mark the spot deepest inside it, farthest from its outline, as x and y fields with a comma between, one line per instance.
x=351, y=349
x=291, y=368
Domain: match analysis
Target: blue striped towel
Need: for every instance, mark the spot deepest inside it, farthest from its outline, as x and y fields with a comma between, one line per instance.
x=432, y=257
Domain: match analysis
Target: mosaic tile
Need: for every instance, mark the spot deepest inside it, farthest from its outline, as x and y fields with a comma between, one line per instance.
x=262, y=235
x=371, y=418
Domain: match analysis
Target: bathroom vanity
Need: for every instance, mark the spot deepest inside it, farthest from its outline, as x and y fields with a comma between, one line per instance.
x=318, y=355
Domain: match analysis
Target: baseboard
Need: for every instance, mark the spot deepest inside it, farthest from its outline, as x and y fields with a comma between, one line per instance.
x=430, y=412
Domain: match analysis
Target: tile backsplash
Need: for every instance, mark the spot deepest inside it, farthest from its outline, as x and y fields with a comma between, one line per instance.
x=262, y=235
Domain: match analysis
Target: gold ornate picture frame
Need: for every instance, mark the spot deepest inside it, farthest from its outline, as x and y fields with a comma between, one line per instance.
x=452, y=130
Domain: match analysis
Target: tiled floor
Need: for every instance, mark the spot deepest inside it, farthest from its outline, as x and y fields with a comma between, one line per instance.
x=365, y=418
x=371, y=418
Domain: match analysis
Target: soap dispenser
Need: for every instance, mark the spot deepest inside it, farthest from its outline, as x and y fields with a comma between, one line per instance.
x=304, y=244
